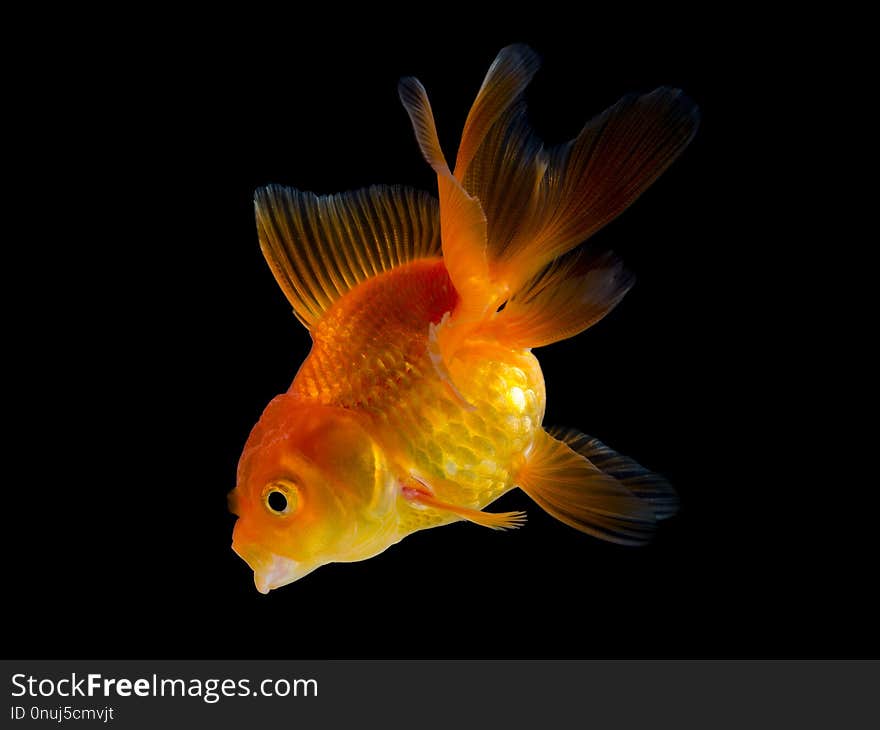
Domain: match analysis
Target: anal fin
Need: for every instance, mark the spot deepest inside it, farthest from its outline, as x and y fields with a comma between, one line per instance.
x=493, y=520
x=646, y=485
x=573, y=490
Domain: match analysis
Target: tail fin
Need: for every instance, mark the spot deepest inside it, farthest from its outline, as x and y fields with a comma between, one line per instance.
x=570, y=295
x=543, y=201
x=527, y=204
x=462, y=221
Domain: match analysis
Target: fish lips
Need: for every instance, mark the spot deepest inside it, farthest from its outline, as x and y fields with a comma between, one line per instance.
x=270, y=569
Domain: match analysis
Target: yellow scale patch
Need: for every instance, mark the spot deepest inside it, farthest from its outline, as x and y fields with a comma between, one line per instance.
x=468, y=456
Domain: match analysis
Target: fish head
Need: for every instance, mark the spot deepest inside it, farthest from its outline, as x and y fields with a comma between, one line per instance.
x=313, y=487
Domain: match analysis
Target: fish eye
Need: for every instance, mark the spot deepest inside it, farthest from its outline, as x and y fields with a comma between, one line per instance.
x=280, y=497
x=277, y=501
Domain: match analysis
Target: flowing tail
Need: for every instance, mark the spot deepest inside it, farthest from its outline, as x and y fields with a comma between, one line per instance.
x=513, y=208
x=512, y=214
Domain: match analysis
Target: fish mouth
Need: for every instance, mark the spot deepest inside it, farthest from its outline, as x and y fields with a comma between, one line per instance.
x=270, y=569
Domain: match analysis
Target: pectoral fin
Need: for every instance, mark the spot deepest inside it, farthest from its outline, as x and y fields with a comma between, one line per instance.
x=493, y=520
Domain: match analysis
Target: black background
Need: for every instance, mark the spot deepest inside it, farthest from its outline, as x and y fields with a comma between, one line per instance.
x=157, y=335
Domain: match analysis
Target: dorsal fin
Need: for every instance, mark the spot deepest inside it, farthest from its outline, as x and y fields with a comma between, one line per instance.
x=320, y=247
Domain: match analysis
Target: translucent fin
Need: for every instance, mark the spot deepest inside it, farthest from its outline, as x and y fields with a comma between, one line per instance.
x=569, y=296
x=540, y=202
x=319, y=247
x=646, y=485
x=492, y=520
x=462, y=221
x=617, y=155
x=463, y=227
x=575, y=492
x=418, y=107
x=505, y=81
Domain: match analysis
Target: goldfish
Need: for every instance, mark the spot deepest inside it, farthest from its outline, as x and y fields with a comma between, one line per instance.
x=421, y=401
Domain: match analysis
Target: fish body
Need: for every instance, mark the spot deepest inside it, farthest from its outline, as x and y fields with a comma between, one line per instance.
x=421, y=402
x=371, y=353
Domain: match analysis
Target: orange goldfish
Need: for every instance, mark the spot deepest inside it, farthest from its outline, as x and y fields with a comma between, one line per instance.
x=421, y=402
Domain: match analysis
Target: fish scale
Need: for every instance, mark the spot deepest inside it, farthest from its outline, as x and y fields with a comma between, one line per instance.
x=370, y=354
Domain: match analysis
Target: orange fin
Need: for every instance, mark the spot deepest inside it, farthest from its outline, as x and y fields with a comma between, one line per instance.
x=506, y=80
x=645, y=484
x=572, y=294
x=514, y=204
x=542, y=201
x=418, y=107
x=492, y=520
x=576, y=492
x=319, y=247
x=462, y=221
